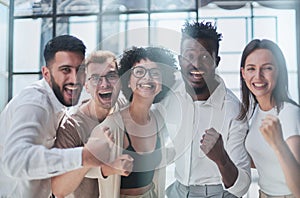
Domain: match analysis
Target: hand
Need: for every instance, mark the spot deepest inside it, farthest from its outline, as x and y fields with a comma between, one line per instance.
x=212, y=146
x=271, y=130
x=97, y=150
x=121, y=166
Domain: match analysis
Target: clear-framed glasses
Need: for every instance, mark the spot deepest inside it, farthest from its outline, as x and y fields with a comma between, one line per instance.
x=111, y=77
x=140, y=72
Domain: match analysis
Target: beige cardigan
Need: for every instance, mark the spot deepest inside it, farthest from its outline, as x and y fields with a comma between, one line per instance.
x=110, y=186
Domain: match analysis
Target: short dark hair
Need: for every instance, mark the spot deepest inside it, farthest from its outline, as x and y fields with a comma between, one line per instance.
x=201, y=30
x=280, y=92
x=63, y=43
x=164, y=59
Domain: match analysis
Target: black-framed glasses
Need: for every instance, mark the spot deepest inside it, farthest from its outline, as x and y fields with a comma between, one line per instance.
x=140, y=72
x=111, y=77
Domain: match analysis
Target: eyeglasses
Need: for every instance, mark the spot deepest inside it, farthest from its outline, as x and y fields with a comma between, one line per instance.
x=140, y=72
x=110, y=77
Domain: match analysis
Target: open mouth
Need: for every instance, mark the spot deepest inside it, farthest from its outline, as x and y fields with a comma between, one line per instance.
x=105, y=95
x=146, y=85
x=197, y=75
x=71, y=89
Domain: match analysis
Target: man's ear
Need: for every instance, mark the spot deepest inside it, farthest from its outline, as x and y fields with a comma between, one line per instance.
x=180, y=59
x=46, y=74
x=218, y=59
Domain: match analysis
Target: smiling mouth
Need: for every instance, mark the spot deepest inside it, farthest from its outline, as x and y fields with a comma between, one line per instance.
x=70, y=89
x=106, y=95
x=146, y=85
x=197, y=74
x=259, y=85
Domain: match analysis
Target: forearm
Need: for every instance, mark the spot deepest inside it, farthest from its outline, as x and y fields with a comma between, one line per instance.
x=62, y=185
x=228, y=170
x=290, y=167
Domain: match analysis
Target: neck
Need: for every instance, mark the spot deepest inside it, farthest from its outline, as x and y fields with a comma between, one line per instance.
x=96, y=112
x=265, y=104
x=203, y=94
x=139, y=110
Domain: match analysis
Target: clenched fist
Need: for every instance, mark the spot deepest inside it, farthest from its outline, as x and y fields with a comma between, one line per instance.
x=212, y=146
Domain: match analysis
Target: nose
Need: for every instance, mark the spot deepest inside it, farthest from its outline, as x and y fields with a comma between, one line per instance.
x=103, y=82
x=147, y=75
x=258, y=73
x=73, y=76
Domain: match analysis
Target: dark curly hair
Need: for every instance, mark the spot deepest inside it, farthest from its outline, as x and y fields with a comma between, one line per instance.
x=201, y=30
x=164, y=59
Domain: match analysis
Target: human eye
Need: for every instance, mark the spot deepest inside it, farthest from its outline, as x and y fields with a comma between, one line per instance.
x=250, y=68
x=65, y=70
x=139, y=71
x=155, y=72
x=112, y=76
x=268, y=67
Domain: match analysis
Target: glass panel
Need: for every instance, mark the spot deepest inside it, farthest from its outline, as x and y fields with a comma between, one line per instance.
x=3, y=55
x=32, y=7
x=125, y=5
x=3, y=37
x=27, y=45
x=4, y=91
x=233, y=39
x=265, y=27
x=111, y=39
x=21, y=81
x=133, y=30
x=77, y=6
x=293, y=85
x=213, y=11
x=230, y=62
x=166, y=29
x=173, y=4
x=84, y=28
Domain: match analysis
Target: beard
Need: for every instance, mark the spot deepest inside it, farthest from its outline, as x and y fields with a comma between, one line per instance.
x=58, y=92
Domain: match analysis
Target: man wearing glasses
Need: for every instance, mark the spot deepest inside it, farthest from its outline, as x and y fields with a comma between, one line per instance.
x=103, y=86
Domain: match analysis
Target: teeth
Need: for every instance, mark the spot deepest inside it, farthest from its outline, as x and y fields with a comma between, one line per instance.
x=197, y=72
x=259, y=84
x=71, y=87
x=108, y=92
x=149, y=86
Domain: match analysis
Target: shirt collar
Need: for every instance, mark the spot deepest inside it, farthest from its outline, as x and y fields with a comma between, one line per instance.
x=58, y=107
x=216, y=99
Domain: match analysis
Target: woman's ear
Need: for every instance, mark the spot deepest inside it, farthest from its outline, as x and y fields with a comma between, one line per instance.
x=243, y=73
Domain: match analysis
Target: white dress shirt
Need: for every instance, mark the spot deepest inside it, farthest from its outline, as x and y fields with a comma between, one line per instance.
x=28, y=129
x=187, y=121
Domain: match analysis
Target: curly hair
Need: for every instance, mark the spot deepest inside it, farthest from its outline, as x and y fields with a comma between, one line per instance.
x=164, y=59
x=201, y=30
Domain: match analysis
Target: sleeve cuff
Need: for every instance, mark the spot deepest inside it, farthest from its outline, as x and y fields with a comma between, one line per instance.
x=73, y=158
x=241, y=185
